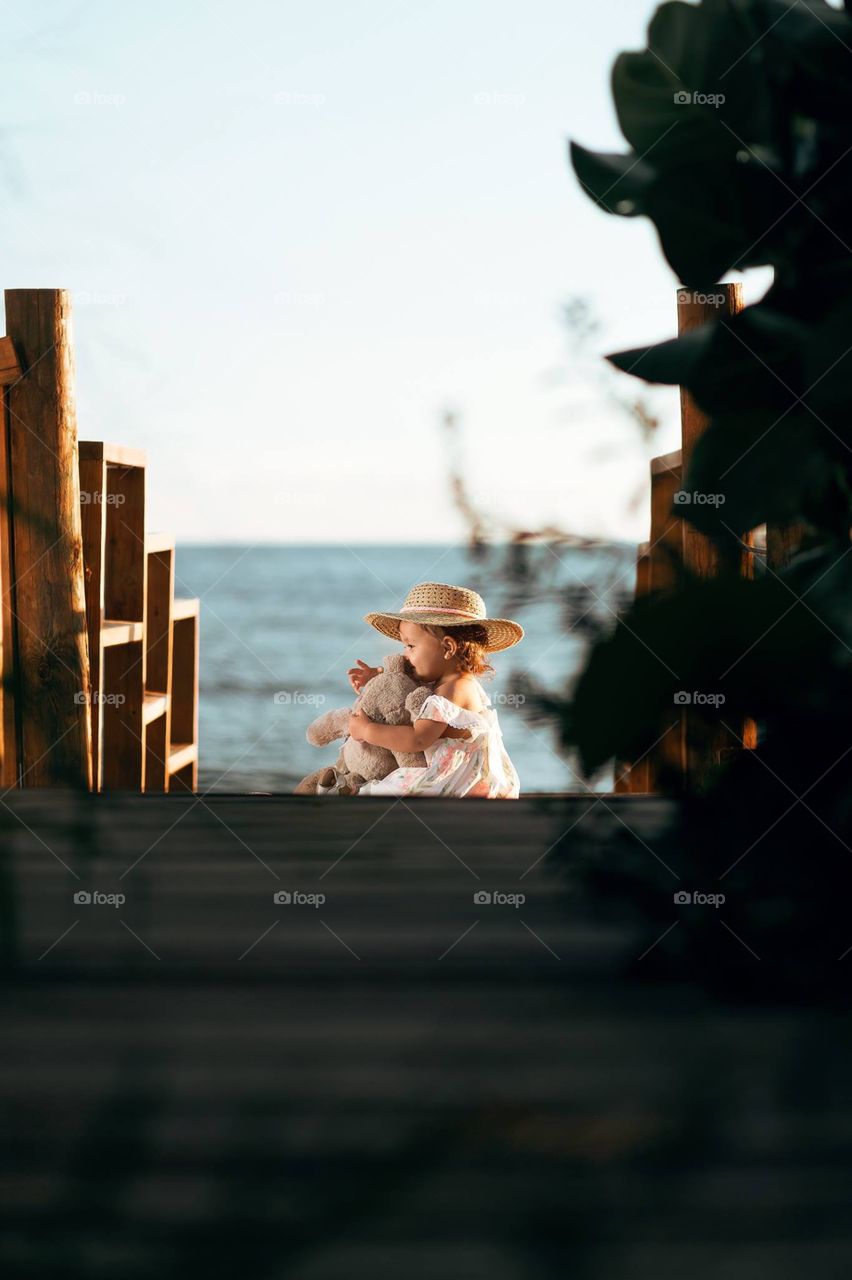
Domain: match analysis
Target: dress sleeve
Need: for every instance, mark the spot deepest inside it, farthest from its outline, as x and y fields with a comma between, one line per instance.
x=437, y=708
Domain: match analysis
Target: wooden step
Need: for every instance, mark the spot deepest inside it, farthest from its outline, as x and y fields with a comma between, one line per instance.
x=159, y=540
x=115, y=632
x=667, y=462
x=185, y=607
x=154, y=705
x=182, y=754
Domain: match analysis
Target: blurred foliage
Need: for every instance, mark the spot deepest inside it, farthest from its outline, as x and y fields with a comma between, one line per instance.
x=741, y=154
x=551, y=564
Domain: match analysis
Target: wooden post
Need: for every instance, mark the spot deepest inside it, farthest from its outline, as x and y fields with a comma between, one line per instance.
x=782, y=543
x=159, y=594
x=10, y=372
x=657, y=570
x=635, y=777
x=92, y=494
x=666, y=527
x=184, y=724
x=695, y=309
x=667, y=535
x=705, y=748
x=49, y=604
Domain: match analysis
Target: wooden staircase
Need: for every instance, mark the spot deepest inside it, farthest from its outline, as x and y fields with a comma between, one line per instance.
x=99, y=661
x=143, y=643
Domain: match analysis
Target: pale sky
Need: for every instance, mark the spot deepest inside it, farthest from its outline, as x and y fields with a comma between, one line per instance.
x=294, y=233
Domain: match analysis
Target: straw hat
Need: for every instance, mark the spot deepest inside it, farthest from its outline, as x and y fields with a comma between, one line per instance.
x=436, y=603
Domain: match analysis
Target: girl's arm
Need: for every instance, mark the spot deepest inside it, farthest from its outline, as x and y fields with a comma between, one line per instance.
x=396, y=737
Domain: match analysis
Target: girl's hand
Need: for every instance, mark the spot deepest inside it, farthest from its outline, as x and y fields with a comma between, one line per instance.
x=358, y=676
x=359, y=726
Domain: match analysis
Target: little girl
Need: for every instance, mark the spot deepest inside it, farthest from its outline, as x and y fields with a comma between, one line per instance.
x=446, y=635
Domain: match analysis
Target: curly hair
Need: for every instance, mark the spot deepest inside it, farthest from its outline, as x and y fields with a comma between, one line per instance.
x=472, y=651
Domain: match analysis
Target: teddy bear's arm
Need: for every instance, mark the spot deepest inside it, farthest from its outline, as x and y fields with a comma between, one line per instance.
x=330, y=725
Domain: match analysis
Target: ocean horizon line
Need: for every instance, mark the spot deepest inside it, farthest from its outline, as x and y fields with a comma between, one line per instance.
x=306, y=546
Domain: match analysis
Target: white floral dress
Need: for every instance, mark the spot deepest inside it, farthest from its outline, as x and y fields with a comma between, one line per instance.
x=475, y=766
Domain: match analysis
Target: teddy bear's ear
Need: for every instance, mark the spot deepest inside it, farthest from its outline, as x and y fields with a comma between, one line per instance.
x=395, y=662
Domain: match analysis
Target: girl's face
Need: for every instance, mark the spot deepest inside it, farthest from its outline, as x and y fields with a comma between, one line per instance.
x=424, y=651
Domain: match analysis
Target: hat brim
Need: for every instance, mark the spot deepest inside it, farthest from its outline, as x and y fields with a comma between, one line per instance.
x=502, y=633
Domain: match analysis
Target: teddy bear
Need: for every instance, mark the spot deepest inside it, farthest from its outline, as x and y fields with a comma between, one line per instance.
x=392, y=697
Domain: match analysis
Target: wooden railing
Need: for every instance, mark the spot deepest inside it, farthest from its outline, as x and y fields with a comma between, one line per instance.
x=674, y=543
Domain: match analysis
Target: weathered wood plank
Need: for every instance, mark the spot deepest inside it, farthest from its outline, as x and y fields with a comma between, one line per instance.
x=10, y=372
x=93, y=526
x=10, y=739
x=10, y=365
x=122, y=719
x=124, y=566
x=183, y=729
x=694, y=310
x=49, y=602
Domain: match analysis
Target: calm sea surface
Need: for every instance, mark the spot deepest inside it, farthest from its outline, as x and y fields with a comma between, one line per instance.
x=287, y=620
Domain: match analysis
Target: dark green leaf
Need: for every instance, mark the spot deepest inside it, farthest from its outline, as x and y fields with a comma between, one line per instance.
x=616, y=183
x=750, y=468
x=754, y=359
x=748, y=641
